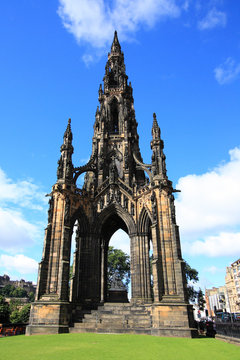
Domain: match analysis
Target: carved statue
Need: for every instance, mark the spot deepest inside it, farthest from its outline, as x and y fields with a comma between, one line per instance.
x=67, y=210
x=69, y=170
x=132, y=209
x=116, y=283
x=154, y=206
x=113, y=172
x=60, y=168
x=50, y=210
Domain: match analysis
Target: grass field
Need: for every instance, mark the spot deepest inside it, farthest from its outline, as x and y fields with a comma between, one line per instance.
x=114, y=347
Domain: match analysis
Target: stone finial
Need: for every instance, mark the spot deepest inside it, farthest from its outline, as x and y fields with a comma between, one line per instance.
x=155, y=128
x=115, y=48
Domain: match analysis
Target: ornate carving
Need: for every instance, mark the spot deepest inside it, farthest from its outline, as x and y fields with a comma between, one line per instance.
x=116, y=283
x=126, y=159
x=69, y=170
x=118, y=196
x=132, y=209
x=113, y=172
x=67, y=210
x=101, y=203
x=125, y=203
x=50, y=209
x=60, y=168
x=154, y=206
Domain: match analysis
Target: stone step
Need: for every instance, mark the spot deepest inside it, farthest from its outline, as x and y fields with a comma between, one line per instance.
x=120, y=311
x=145, y=331
x=114, y=317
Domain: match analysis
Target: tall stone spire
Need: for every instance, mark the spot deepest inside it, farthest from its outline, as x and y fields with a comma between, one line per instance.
x=115, y=130
x=158, y=157
x=65, y=166
x=115, y=48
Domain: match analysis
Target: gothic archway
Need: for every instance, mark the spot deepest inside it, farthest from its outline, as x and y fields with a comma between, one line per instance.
x=111, y=219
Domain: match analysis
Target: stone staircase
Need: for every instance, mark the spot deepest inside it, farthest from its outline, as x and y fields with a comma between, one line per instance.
x=115, y=318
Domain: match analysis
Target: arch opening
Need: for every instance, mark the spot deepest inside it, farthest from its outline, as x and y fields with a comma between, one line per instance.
x=115, y=259
x=118, y=267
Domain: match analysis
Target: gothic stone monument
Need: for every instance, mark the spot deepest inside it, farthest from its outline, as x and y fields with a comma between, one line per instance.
x=116, y=195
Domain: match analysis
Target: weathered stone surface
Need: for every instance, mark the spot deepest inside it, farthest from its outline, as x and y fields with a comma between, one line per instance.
x=116, y=195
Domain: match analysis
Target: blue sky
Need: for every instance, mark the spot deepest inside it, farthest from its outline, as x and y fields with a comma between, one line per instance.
x=183, y=59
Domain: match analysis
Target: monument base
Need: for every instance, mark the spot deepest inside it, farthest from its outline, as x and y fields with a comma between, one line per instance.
x=49, y=317
x=118, y=296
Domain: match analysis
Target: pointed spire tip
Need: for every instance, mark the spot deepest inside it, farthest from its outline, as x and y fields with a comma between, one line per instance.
x=115, y=44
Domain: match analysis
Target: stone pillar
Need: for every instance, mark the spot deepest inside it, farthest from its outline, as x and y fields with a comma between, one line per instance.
x=43, y=265
x=157, y=269
x=102, y=272
x=140, y=269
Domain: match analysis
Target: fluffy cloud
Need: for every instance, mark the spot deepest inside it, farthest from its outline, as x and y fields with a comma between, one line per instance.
x=223, y=244
x=94, y=21
x=17, y=233
x=227, y=72
x=19, y=263
x=22, y=192
x=213, y=19
x=208, y=209
x=213, y=270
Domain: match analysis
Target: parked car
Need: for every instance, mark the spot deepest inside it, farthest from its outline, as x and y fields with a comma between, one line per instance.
x=236, y=316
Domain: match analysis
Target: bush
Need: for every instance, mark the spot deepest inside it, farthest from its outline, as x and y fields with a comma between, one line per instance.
x=4, y=310
x=20, y=316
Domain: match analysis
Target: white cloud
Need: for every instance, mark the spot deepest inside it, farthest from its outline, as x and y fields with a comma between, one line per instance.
x=94, y=21
x=208, y=209
x=213, y=270
x=16, y=232
x=223, y=244
x=19, y=263
x=227, y=72
x=22, y=192
x=213, y=19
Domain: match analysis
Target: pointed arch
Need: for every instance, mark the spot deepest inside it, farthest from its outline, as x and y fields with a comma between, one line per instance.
x=82, y=219
x=118, y=218
x=145, y=220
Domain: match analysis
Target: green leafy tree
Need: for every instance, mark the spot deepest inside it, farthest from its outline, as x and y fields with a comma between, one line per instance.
x=14, y=304
x=118, y=265
x=20, y=315
x=31, y=296
x=192, y=278
x=12, y=291
x=4, y=310
x=200, y=300
x=15, y=317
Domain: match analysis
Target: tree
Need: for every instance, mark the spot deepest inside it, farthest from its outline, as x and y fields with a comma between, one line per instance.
x=118, y=265
x=4, y=310
x=19, y=316
x=200, y=300
x=13, y=291
x=192, y=278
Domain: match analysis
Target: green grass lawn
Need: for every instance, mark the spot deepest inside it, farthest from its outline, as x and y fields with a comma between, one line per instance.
x=114, y=347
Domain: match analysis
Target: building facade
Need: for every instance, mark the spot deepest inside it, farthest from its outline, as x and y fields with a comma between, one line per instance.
x=232, y=281
x=216, y=300
x=26, y=285
x=120, y=192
